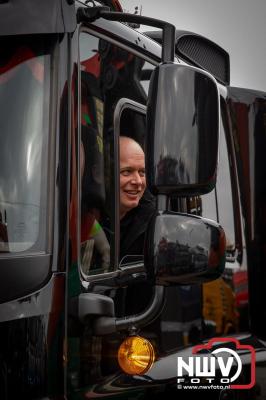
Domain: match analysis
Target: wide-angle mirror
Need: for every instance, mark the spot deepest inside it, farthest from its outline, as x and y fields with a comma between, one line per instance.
x=184, y=249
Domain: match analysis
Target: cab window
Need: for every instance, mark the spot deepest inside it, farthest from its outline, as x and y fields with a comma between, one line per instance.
x=107, y=74
x=26, y=175
x=24, y=126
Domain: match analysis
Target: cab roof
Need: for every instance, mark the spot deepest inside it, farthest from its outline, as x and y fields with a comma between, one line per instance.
x=22, y=17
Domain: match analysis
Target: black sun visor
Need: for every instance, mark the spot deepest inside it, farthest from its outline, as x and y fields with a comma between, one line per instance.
x=19, y=17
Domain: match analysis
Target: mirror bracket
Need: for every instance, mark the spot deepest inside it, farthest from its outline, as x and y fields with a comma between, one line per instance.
x=91, y=14
x=94, y=304
x=104, y=321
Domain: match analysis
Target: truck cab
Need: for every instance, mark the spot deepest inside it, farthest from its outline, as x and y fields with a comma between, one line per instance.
x=74, y=77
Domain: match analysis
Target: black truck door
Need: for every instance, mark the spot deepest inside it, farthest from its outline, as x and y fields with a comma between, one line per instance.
x=106, y=73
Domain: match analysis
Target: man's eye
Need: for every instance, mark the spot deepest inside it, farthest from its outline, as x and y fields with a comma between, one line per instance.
x=142, y=173
x=125, y=172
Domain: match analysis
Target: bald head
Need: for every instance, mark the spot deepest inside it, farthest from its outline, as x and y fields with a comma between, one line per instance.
x=132, y=174
x=129, y=145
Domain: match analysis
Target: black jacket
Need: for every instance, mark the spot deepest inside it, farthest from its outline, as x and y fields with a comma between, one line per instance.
x=134, y=225
x=132, y=235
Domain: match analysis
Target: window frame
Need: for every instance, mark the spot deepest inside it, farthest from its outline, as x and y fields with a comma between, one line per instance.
x=28, y=271
x=48, y=162
x=123, y=104
x=120, y=106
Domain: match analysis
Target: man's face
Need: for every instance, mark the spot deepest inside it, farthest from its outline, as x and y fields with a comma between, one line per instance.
x=132, y=174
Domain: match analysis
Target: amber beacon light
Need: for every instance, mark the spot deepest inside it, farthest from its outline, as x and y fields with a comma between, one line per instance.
x=136, y=355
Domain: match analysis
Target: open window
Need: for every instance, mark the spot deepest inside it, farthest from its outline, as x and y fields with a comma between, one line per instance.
x=112, y=89
x=130, y=121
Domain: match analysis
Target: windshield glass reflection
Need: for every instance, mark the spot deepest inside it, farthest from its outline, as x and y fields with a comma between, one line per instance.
x=24, y=86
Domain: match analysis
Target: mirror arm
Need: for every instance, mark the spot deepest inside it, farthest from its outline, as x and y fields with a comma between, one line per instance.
x=90, y=14
x=107, y=325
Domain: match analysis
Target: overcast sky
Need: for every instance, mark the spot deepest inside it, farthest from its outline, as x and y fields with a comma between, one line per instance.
x=239, y=26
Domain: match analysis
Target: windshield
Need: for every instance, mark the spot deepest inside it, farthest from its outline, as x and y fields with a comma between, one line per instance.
x=24, y=122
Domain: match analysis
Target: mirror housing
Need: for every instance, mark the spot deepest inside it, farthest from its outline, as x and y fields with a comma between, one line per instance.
x=184, y=249
x=183, y=115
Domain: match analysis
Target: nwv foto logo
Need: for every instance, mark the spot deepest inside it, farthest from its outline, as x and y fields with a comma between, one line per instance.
x=222, y=364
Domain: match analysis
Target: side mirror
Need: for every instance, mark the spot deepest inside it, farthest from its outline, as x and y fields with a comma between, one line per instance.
x=184, y=249
x=183, y=116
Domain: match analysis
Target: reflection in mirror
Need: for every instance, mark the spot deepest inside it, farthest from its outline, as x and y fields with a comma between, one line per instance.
x=96, y=158
x=131, y=259
x=95, y=248
x=184, y=248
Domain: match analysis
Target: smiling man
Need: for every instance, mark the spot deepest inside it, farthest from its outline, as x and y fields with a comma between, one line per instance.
x=136, y=203
x=137, y=206
x=132, y=174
